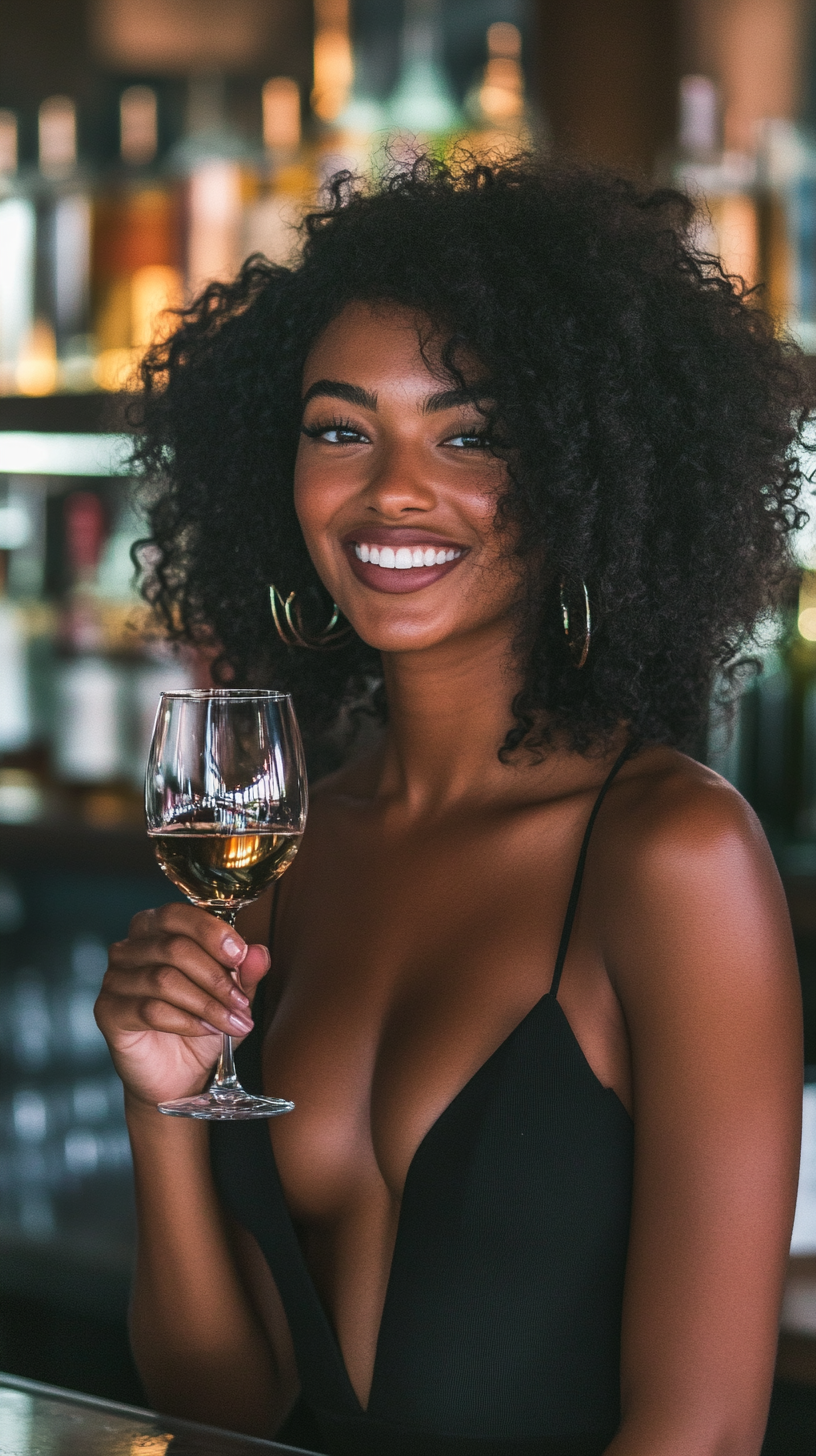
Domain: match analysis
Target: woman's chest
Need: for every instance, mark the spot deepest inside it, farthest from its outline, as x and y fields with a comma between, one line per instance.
x=403, y=968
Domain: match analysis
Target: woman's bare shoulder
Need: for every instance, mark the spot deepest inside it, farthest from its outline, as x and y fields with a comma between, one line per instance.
x=670, y=808
x=688, y=882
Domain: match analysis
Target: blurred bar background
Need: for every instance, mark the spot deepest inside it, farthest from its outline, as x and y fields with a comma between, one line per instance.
x=146, y=148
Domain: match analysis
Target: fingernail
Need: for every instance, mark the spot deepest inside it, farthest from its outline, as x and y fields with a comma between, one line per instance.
x=241, y=1023
x=235, y=949
x=210, y=1027
x=238, y=996
x=268, y=956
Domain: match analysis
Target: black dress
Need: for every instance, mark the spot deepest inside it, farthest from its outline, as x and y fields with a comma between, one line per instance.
x=500, y=1332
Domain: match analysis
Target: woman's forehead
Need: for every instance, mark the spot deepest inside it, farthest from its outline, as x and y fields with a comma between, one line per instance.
x=382, y=339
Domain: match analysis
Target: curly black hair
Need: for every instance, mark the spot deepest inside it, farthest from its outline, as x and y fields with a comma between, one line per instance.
x=651, y=417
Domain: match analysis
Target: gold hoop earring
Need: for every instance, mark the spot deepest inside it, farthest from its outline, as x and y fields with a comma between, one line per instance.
x=291, y=630
x=578, y=646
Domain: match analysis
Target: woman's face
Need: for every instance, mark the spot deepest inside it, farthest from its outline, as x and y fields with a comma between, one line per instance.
x=395, y=489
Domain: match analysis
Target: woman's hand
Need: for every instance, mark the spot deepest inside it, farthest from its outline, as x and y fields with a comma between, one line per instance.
x=167, y=995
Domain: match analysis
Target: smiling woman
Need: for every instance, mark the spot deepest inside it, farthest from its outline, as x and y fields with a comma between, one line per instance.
x=531, y=981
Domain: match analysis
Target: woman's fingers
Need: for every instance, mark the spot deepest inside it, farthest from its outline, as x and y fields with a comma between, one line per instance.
x=167, y=985
x=220, y=941
x=254, y=967
x=131, y=956
x=189, y=942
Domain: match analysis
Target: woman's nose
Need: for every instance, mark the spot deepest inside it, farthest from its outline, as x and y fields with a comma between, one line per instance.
x=400, y=482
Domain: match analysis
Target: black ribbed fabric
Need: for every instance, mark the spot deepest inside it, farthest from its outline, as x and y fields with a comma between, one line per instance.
x=500, y=1333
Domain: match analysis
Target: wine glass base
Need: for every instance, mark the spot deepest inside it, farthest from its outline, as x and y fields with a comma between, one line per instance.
x=231, y=1105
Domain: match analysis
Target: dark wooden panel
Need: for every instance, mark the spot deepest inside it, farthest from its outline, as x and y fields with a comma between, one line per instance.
x=608, y=74
x=77, y=848
x=84, y=414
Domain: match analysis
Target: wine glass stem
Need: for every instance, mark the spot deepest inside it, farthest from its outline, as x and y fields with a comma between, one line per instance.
x=225, y=1078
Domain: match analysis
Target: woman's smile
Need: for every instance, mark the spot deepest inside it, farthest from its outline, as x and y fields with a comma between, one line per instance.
x=400, y=559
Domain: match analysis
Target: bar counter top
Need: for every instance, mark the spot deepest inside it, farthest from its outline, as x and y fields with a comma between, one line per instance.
x=41, y=1420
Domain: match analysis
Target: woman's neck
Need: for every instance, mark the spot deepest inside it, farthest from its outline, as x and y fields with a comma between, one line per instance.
x=449, y=709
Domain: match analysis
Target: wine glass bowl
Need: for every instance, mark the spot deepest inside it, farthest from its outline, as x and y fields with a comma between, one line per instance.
x=225, y=802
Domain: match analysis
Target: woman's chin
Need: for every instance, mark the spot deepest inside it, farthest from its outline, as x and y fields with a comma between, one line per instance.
x=403, y=636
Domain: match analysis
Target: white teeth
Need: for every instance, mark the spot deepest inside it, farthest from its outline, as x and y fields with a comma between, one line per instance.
x=405, y=556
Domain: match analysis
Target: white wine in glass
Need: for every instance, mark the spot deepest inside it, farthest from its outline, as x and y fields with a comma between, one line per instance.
x=226, y=800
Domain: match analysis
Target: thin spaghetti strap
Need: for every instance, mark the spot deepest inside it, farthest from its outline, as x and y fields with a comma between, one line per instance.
x=572, y=903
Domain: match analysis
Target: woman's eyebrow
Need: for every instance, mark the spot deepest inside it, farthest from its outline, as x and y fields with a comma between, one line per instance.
x=450, y=398
x=337, y=389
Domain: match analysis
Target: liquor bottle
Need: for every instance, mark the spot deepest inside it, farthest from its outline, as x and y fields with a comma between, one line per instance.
x=496, y=105
x=15, y=709
x=768, y=750
x=422, y=103
x=57, y=352
x=137, y=258
x=17, y=243
x=286, y=186
x=787, y=172
x=722, y=183
x=89, y=745
x=214, y=167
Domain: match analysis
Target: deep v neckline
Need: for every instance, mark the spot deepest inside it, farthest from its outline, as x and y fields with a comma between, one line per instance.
x=549, y=998
x=327, y=1327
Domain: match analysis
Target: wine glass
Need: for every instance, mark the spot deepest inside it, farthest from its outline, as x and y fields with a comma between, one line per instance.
x=225, y=800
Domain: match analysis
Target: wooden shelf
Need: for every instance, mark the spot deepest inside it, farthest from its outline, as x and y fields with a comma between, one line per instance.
x=69, y=845
x=83, y=414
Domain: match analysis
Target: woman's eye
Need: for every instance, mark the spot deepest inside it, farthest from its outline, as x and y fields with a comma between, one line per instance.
x=334, y=434
x=468, y=442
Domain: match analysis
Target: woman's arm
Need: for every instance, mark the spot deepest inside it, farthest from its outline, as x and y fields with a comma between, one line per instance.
x=701, y=955
x=199, y=1345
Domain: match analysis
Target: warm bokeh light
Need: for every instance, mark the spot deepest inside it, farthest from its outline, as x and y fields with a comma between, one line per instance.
x=504, y=39
x=57, y=136
x=281, y=114
x=214, y=222
x=153, y=290
x=807, y=624
x=152, y=1445
x=333, y=60
x=138, y=125
x=115, y=369
x=500, y=96
x=8, y=141
x=36, y=372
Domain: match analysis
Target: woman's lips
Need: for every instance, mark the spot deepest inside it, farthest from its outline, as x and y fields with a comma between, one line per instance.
x=396, y=576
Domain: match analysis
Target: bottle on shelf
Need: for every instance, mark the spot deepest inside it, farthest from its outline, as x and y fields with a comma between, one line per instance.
x=89, y=741
x=285, y=187
x=766, y=745
x=722, y=182
x=496, y=104
x=787, y=173
x=15, y=705
x=58, y=350
x=137, y=252
x=17, y=250
x=423, y=105
x=217, y=180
